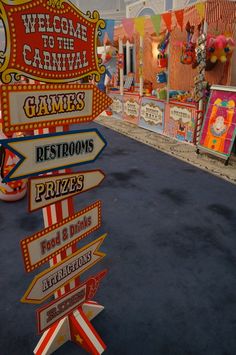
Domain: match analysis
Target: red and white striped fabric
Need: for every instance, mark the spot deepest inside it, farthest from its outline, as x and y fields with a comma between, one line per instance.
x=217, y=10
x=191, y=15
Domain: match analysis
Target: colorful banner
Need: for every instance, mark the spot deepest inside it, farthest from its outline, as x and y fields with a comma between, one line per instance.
x=156, y=21
x=38, y=248
x=180, y=121
x=131, y=108
x=219, y=126
x=179, y=14
x=28, y=107
x=139, y=25
x=167, y=18
x=152, y=115
x=128, y=24
x=49, y=41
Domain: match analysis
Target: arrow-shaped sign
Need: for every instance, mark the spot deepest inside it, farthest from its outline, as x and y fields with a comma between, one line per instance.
x=49, y=152
x=38, y=248
x=50, y=280
x=48, y=189
x=50, y=313
x=28, y=107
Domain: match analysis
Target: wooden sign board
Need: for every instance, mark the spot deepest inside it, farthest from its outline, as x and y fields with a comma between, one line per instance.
x=55, y=310
x=50, y=280
x=48, y=189
x=49, y=41
x=38, y=248
x=48, y=152
x=218, y=130
x=28, y=107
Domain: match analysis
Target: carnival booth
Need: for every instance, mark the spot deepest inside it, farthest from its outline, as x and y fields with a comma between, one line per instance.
x=166, y=64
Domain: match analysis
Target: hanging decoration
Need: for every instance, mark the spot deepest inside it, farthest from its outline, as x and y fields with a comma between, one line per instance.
x=162, y=58
x=139, y=25
x=156, y=22
x=167, y=18
x=188, y=47
x=128, y=25
x=179, y=14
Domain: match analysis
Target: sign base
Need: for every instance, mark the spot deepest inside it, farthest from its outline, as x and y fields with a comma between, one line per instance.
x=77, y=328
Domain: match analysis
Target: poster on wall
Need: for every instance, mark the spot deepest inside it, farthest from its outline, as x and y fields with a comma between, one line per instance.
x=219, y=126
x=180, y=122
x=152, y=115
x=131, y=108
x=117, y=106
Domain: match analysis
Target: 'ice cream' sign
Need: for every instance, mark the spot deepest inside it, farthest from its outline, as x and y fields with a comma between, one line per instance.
x=57, y=42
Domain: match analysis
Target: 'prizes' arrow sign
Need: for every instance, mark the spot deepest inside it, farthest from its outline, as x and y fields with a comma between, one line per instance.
x=50, y=280
x=28, y=107
x=45, y=190
x=49, y=152
x=54, y=311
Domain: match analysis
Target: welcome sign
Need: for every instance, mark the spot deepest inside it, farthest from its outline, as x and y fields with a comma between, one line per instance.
x=56, y=42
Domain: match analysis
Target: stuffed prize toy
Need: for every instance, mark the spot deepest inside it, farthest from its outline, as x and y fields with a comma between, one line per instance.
x=161, y=77
x=219, y=48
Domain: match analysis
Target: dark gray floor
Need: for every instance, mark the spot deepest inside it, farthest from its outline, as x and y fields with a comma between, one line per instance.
x=171, y=254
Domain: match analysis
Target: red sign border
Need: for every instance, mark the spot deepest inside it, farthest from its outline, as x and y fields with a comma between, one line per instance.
x=25, y=253
x=19, y=5
x=98, y=98
x=58, y=176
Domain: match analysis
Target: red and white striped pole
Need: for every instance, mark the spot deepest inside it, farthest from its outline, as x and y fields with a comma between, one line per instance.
x=75, y=327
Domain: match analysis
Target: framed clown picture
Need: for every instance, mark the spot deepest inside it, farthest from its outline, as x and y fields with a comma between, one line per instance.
x=219, y=126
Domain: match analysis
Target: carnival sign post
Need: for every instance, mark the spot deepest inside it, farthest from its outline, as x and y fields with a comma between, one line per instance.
x=57, y=46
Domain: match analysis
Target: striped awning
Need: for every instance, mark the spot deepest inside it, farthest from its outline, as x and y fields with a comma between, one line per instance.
x=223, y=10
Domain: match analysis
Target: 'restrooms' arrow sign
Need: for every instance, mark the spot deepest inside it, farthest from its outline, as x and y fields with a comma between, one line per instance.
x=49, y=152
x=50, y=280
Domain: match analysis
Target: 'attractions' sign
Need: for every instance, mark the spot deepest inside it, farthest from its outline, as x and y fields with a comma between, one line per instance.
x=48, y=152
x=49, y=40
x=28, y=107
x=50, y=280
x=48, y=189
x=58, y=309
x=38, y=248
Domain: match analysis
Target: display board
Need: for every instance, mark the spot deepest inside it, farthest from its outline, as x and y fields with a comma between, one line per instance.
x=219, y=125
x=180, y=121
x=152, y=115
x=117, y=105
x=131, y=108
